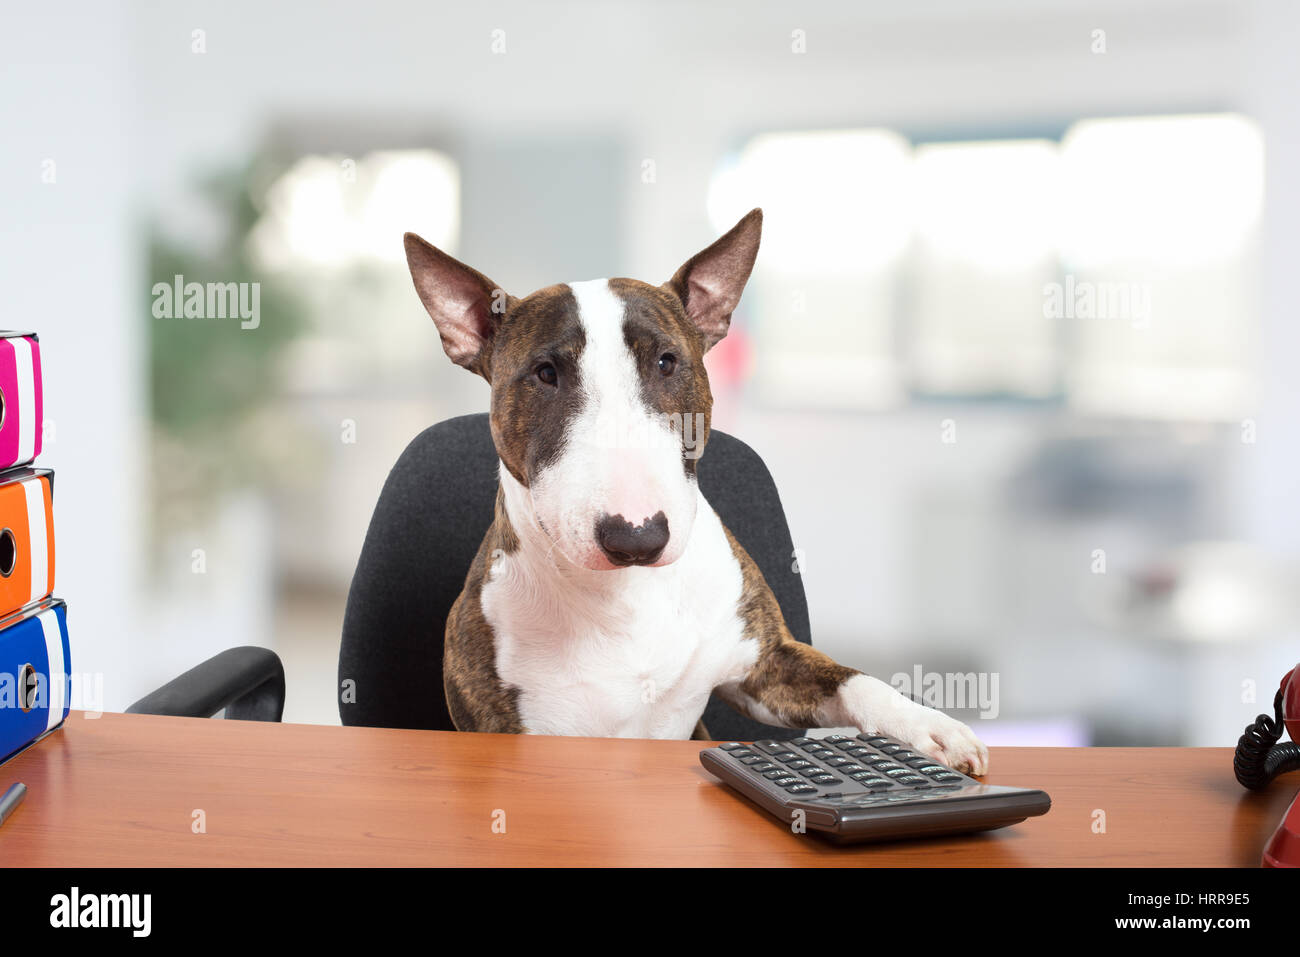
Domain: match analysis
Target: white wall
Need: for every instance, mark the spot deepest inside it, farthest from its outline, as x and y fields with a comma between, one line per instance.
x=69, y=269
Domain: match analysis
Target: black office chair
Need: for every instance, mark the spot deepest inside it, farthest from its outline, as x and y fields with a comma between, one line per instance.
x=430, y=519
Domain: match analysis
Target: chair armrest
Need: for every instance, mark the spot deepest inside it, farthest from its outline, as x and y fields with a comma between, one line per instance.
x=248, y=682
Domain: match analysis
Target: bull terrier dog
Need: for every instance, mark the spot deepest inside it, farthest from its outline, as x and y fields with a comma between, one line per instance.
x=607, y=598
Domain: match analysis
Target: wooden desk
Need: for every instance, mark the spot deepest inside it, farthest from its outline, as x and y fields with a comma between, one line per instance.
x=122, y=790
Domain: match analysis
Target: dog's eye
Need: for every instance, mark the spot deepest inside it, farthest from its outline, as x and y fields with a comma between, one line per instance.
x=547, y=374
x=667, y=363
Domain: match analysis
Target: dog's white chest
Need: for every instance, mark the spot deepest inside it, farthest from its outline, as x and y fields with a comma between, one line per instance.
x=629, y=653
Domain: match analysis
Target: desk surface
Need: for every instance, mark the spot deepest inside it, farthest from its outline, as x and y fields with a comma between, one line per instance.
x=124, y=789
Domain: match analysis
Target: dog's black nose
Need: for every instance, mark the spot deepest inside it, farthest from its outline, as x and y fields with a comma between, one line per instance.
x=626, y=544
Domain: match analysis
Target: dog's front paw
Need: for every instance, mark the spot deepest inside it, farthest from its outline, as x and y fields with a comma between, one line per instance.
x=933, y=733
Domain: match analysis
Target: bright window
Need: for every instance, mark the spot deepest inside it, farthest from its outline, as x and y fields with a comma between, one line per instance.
x=837, y=222
x=331, y=227
x=1164, y=211
x=332, y=211
x=1112, y=267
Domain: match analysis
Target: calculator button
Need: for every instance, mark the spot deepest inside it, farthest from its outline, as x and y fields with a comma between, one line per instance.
x=859, y=752
x=889, y=748
x=744, y=753
x=825, y=779
x=915, y=762
x=932, y=769
x=786, y=781
x=800, y=742
x=754, y=759
x=801, y=789
x=897, y=773
x=876, y=739
x=834, y=738
x=733, y=746
x=762, y=766
x=848, y=768
x=837, y=762
x=812, y=772
x=911, y=779
x=947, y=776
x=798, y=764
x=771, y=775
x=785, y=757
x=884, y=764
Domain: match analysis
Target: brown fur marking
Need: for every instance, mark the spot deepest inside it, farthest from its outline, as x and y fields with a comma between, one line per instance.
x=655, y=323
x=789, y=679
x=529, y=418
x=476, y=697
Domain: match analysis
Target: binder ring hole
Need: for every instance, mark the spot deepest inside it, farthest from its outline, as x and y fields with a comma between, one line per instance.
x=8, y=553
x=27, y=687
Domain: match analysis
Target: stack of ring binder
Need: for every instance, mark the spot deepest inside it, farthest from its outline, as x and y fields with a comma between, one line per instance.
x=34, y=654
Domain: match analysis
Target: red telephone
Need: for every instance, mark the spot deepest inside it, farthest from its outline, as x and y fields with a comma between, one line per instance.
x=1260, y=758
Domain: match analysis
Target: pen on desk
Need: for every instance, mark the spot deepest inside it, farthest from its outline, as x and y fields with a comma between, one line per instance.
x=12, y=798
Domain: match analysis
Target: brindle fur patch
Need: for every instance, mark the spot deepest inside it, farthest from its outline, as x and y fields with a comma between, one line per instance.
x=789, y=679
x=530, y=418
x=476, y=697
x=655, y=323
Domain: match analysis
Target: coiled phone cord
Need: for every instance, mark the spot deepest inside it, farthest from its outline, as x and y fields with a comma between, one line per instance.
x=1259, y=757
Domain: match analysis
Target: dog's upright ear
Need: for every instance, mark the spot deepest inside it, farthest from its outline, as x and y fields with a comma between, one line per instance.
x=709, y=284
x=466, y=306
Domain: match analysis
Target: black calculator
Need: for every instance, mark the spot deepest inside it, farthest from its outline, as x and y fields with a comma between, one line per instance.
x=866, y=788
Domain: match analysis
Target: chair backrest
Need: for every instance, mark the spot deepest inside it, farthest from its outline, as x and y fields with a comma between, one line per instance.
x=431, y=517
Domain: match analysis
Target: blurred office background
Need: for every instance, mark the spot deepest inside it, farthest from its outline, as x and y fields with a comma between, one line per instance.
x=1017, y=351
